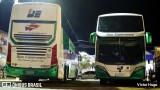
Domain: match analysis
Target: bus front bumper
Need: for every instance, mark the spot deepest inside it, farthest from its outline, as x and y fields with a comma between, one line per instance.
x=17, y=72
x=103, y=74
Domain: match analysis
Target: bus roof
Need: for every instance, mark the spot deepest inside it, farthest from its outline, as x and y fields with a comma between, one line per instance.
x=35, y=2
x=119, y=14
x=40, y=10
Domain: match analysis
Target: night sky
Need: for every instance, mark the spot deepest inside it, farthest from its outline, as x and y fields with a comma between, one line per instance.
x=82, y=17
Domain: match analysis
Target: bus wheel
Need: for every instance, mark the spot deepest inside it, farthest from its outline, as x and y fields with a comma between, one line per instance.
x=103, y=81
x=65, y=74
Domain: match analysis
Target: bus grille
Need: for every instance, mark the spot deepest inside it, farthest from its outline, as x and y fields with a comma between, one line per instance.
x=31, y=51
x=32, y=37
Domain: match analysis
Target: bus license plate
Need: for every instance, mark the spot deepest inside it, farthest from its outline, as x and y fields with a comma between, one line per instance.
x=119, y=75
x=29, y=72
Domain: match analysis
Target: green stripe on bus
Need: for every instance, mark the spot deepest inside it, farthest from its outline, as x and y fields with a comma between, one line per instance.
x=101, y=74
x=15, y=71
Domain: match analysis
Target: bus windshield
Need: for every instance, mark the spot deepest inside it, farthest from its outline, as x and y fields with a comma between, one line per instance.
x=120, y=24
x=121, y=50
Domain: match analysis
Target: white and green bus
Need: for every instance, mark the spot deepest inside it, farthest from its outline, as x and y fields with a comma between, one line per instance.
x=120, y=47
x=36, y=45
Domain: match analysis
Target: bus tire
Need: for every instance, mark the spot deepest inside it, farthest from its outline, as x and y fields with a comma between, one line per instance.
x=65, y=74
x=103, y=81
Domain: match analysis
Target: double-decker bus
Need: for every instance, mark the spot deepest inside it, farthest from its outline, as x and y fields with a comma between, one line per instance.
x=119, y=47
x=36, y=45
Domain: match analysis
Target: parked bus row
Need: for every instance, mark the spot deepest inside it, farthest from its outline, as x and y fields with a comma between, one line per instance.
x=39, y=48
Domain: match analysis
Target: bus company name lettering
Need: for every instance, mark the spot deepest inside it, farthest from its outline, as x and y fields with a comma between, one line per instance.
x=22, y=58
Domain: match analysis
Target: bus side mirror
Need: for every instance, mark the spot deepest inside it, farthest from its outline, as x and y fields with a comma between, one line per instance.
x=92, y=37
x=148, y=38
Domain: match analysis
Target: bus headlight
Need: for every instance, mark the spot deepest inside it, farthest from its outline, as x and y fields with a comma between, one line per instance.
x=138, y=68
x=101, y=67
x=101, y=72
x=138, y=73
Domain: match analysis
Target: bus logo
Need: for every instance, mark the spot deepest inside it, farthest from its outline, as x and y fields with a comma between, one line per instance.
x=119, y=68
x=31, y=27
x=34, y=13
